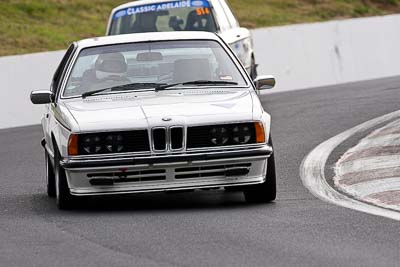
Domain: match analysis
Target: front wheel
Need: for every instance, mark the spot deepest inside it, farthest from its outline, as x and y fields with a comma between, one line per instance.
x=50, y=177
x=64, y=199
x=265, y=192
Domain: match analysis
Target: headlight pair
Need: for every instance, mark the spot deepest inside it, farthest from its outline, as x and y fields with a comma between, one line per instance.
x=239, y=135
x=95, y=144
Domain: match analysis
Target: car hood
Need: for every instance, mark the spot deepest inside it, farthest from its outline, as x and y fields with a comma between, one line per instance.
x=165, y=108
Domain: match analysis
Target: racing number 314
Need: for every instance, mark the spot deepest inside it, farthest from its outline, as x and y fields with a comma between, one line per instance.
x=202, y=11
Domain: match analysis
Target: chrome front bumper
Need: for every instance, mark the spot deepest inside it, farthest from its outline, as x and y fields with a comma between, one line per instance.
x=194, y=170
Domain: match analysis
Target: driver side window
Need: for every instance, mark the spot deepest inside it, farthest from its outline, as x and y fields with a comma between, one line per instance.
x=58, y=74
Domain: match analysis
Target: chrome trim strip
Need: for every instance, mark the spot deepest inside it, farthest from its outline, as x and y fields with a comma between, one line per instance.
x=172, y=187
x=188, y=152
x=177, y=164
x=248, y=154
x=226, y=148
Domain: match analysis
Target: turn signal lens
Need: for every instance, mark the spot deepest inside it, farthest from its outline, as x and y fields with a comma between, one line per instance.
x=260, y=134
x=73, y=145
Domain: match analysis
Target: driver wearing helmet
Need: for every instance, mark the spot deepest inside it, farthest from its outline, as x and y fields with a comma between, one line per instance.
x=109, y=70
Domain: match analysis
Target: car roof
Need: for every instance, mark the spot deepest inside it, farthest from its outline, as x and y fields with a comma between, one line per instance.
x=147, y=37
x=140, y=3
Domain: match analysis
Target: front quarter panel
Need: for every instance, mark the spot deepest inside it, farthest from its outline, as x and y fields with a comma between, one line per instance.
x=61, y=127
x=259, y=114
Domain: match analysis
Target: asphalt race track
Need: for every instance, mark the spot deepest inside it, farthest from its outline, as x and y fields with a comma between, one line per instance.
x=206, y=228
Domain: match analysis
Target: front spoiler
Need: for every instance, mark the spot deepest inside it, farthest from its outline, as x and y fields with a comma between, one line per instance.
x=167, y=187
x=264, y=151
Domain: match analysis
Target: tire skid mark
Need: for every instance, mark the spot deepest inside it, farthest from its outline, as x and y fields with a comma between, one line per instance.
x=372, y=152
x=388, y=199
x=365, y=176
x=367, y=164
x=373, y=187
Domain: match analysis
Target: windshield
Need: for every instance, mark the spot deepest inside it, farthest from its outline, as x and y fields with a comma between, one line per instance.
x=144, y=65
x=190, y=15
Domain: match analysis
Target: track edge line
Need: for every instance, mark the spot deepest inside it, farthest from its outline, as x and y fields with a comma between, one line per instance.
x=312, y=171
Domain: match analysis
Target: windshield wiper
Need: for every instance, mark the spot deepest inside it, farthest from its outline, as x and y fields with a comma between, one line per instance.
x=129, y=86
x=198, y=82
x=156, y=86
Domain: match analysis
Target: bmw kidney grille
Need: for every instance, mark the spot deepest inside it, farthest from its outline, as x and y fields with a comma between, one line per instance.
x=168, y=139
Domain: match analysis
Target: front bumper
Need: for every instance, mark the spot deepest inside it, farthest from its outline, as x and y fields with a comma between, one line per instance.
x=194, y=170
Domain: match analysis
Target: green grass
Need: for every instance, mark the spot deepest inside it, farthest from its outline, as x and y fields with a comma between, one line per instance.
x=257, y=13
x=40, y=25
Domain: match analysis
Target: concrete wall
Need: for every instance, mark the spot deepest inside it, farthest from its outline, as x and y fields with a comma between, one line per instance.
x=318, y=54
x=300, y=56
x=19, y=75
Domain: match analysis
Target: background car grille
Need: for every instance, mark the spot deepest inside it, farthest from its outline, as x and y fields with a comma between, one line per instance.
x=131, y=141
x=200, y=136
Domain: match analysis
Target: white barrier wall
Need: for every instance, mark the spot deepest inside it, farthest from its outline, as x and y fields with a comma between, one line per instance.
x=318, y=54
x=300, y=56
x=19, y=75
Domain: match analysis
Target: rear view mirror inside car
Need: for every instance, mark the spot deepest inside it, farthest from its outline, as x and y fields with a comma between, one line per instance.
x=149, y=56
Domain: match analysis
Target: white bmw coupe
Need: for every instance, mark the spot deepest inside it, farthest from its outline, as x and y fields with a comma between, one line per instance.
x=155, y=112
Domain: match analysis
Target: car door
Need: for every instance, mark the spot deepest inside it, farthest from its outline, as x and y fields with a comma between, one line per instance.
x=49, y=116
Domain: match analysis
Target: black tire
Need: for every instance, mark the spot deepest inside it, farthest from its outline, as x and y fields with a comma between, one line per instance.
x=265, y=192
x=253, y=70
x=50, y=177
x=64, y=199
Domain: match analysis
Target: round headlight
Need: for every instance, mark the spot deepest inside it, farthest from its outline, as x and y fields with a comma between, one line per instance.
x=241, y=134
x=219, y=136
x=91, y=144
x=114, y=143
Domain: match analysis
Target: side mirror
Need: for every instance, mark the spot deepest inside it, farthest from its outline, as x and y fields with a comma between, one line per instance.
x=264, y=82
x=42, y=97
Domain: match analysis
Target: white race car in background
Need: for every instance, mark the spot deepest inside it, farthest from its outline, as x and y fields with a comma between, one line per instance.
x=190, y=15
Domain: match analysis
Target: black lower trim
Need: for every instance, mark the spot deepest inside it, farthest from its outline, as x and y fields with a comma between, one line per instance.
x=131, y=161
